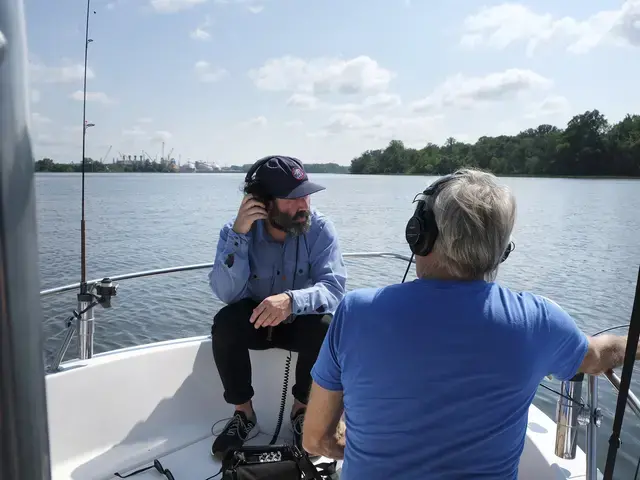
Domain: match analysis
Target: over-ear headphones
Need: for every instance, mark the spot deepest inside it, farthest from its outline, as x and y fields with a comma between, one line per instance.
x=421, y=231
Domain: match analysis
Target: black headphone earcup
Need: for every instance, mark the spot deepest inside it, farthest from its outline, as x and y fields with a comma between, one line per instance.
x=414, y=234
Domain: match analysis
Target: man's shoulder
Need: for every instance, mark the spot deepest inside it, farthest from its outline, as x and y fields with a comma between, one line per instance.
x=362, y=298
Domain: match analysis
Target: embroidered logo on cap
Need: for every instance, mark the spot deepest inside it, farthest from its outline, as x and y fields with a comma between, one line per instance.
x=297, y=173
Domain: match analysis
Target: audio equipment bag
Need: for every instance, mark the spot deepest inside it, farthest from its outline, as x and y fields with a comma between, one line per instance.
x=274, y=462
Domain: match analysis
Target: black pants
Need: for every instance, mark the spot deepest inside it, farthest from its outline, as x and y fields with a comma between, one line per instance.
x=232, y=335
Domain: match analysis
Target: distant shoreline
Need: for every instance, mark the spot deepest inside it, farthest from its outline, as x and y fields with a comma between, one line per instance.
x=515, y=175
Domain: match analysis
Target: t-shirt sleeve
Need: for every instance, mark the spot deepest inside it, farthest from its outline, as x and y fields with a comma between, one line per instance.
x=327, y=371
x=564, y=345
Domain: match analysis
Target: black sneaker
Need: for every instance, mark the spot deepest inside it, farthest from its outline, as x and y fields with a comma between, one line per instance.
x=235, y=433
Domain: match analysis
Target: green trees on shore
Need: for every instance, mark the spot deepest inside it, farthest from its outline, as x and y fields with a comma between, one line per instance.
x=588, y=146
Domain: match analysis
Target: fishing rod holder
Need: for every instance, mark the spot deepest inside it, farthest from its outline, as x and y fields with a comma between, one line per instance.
x=83, y=319
x=105, y=289
x=569, y=416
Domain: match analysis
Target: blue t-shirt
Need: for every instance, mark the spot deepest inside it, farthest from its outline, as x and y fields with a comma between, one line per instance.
x=438, y=376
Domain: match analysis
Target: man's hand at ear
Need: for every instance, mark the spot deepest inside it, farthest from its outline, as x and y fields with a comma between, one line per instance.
x=272, y=311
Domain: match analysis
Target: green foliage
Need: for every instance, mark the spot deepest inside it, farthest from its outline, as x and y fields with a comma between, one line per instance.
x=588, y=146
x=48, y=165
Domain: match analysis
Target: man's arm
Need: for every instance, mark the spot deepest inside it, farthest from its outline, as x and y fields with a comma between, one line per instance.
x=570, y=351
x=320, y=435
x=328, y=272
x=604, y=353
x=230, y=273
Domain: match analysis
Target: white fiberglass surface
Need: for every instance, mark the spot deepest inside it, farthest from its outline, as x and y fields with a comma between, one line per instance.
x=120, y=410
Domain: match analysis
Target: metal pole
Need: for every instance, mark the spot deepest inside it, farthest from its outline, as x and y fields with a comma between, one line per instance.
x=85, y=326
x=592, y=433
x=57, y=360
x=567, y=413
x=24, y=436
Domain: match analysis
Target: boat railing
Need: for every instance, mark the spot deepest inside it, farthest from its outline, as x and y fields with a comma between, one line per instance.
x=571, y=412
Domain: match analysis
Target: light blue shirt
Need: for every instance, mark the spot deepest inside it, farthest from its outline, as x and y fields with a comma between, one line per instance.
x=438, y=376
x=257, y=266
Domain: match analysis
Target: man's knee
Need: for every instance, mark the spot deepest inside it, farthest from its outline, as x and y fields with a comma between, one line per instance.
x=231, y=319
x=318, y=326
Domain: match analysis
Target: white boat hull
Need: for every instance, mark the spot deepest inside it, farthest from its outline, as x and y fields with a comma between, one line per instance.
x=122, y=409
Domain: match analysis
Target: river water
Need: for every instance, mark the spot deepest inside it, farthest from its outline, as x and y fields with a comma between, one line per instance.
x=577, y=243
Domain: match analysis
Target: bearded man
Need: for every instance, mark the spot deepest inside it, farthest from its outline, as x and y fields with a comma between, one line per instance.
x=280, y=271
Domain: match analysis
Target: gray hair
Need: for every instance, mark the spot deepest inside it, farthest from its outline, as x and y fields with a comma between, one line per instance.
x=475, y=217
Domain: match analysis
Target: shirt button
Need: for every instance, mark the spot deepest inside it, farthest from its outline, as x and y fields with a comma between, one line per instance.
x=235, y=243
x=298, y=311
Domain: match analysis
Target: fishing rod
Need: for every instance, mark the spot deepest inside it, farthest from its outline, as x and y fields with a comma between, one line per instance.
x=625, y=383
x=85, y=126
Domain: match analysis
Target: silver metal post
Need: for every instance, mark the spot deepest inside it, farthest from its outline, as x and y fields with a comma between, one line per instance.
x=632, y=401
x=567, y=414
x=57, y=360
x=85, y=327
x=595, y=418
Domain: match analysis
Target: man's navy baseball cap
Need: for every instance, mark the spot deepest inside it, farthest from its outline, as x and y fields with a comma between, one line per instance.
x=284, y=177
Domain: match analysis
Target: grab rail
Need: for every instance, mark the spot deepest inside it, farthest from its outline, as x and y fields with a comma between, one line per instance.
x=83, y=319
x=199, y=266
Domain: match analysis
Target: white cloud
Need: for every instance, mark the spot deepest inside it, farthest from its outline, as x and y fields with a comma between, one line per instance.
x=145, y=120
x=161, y=136
x=259, y=121
x=200, y=34
x=294, y=123
x=98, y=97
x=172, y=6
x=253, y=6
x=321, y=76
x=381, y=127
x=206, y=73
x=380, y=101
x=40, y=73
x=383, y=100
x=550, y=106
x=303, y=101
x=467, y=92
x=502, y=25
x=35, y=96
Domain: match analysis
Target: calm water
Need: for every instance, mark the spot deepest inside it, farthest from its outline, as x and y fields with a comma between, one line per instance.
x=577, y=242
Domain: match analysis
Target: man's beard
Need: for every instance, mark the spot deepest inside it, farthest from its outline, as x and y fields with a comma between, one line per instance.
x=293, y=225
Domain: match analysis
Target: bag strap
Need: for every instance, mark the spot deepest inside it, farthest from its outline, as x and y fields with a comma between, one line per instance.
x=309, y=469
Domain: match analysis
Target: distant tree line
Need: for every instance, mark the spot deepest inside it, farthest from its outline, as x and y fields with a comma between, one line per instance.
x=588, y=146
x=48, y=165
x=314, y=168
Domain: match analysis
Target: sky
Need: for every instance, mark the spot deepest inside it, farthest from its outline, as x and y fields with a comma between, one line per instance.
x=230, y=81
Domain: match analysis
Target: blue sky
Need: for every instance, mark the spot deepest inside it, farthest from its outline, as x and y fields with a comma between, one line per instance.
x=233, y=80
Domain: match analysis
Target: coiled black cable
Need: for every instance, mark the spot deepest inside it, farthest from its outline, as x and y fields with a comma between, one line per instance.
x=283, y=400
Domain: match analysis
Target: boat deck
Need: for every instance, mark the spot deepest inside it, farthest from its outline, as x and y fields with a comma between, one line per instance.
x=121, y=410
x=195, y=461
